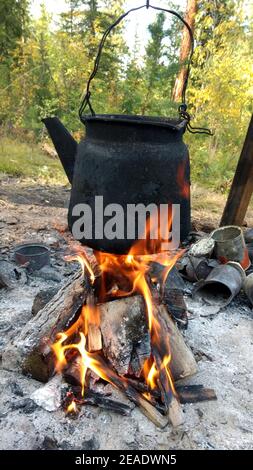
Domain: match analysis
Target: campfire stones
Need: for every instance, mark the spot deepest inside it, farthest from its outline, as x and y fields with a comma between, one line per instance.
x=126, y=339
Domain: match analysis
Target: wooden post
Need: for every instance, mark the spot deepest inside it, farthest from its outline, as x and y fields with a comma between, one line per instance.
x=242, y=185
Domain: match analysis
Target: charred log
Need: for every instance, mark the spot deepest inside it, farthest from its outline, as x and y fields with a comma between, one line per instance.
x=195, y=393
x=183, y=363
x=126, y=339
x=31, y=352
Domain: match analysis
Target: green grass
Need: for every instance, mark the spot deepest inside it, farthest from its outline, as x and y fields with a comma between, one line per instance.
x=21, y=159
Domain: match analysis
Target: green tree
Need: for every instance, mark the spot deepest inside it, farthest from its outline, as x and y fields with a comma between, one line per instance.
x=106, y=86
x=74, y=56
x=220, y=92
x=160, y=67
x=132, y=85
x=70, y=20
x=13, y=25
x=14, y=20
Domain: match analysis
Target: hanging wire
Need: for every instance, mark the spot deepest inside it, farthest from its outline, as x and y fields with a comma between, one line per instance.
x=183, y=107
x=193, y=130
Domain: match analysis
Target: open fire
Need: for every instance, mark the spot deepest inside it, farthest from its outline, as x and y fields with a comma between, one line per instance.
x=120, y=276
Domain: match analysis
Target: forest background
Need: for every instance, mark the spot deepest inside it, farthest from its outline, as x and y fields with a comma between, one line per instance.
x=45, y=61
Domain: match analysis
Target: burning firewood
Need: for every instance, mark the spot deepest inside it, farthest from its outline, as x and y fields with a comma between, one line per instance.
x=31, y=352
x=195, y=393
x=175, y=412
x=95, y=399
x=94, y=338
x=126, y=339
x=183, y=363
x=110, y=327
x=147, y=408
x=93, y=325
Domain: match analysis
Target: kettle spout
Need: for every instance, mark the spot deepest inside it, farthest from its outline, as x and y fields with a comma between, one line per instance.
x=65, y=144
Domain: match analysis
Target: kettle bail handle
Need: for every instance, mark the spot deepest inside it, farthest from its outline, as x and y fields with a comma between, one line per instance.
x=86, y=100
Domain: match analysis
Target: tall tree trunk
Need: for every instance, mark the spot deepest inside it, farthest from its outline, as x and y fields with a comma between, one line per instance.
x=185, y=48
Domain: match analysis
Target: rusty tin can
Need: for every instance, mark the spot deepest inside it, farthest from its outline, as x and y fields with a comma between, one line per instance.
x=230, y=245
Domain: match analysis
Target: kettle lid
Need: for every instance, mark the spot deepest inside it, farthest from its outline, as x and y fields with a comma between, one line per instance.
x=173, y=124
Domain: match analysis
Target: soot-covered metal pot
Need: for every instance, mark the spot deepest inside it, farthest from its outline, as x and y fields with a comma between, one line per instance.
x=126, y=160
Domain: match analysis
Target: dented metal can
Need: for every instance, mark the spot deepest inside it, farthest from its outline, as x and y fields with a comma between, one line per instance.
x=221, y=285
x=230, y=245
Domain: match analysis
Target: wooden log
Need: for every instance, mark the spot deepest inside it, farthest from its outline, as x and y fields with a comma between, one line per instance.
x=175, y=412
x=172, y=406
x=71, y=372
x=97, y=399
x=195, y=393
x=171, y=291
x=94, y=338
x=121, y=383
x=30, y=352
x=147, y=408
x=126, y=339
x=93, y=325
x=143, y=387
x=175, y=303
x=183, y=363
x=242, y=185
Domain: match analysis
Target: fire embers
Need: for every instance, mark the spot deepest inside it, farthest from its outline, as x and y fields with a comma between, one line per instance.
x=134, y=354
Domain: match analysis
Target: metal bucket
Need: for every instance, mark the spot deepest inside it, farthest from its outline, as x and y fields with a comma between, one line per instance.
x=221, y=285
x=230, y=245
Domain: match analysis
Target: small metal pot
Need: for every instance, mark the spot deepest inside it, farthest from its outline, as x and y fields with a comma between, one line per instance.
x=32, y=255
x=230, y=245
x=221, y=285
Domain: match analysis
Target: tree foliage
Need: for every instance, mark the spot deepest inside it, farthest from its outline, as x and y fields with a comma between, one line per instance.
x=221, y=89
x=44, y=69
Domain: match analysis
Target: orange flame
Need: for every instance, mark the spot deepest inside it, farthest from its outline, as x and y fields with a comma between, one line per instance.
x=129, y=274
x=84, y=262
x=151, y=374
x=72, y=408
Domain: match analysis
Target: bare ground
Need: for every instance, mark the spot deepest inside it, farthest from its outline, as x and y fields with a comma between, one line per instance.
x=222, y=343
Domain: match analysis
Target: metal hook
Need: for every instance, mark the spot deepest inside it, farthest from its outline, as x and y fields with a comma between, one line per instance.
x=147, y=4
